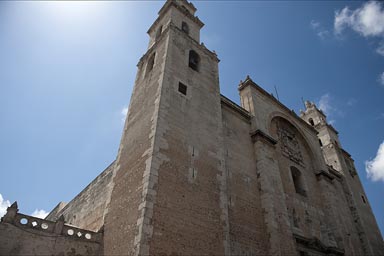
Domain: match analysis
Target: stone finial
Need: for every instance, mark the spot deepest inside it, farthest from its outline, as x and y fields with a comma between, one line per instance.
x=308, y=104
x=61, y=218
x=59, y=225
x=14, y=205
x=11, y=213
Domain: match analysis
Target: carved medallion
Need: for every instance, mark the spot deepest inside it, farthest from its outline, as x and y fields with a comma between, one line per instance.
x=290, y=146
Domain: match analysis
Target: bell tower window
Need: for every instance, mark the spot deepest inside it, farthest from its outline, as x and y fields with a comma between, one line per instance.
x=311, y=121
x=184, y=27
x=158, y=33
x=150, y=64
x=194, y=60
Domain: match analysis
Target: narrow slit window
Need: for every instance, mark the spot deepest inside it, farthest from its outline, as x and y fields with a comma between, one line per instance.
x=183, y=88
x=363, y=198
x=321, y=143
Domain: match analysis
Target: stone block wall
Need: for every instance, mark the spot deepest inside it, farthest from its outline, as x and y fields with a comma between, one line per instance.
x=88, y=208
x=248, y=234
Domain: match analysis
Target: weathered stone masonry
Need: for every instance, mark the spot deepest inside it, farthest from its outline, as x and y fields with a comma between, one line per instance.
x=196, y=174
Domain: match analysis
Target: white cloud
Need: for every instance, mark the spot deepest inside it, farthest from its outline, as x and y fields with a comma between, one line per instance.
x=40, y=214
x=375, y=167
x=381, y=78
x=315, y=24
x=4, y=204
x=324, y=104
x=367, y=20
x=318, y=28
x=323, y=34
x=380, y=49
x=124, y=112
x=380, y=116
x=351, y=102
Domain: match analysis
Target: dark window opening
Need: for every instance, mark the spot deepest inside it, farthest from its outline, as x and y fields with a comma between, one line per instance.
x=150, y=64
x=311, y=121
x=298, y=181
x=183, y=88
x=194, y=60
x=321, y=143
x=158, y=33
x=363, y=198
x=184, y=27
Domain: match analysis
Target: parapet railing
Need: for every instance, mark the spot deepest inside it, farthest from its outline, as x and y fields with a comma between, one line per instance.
x=52, y=227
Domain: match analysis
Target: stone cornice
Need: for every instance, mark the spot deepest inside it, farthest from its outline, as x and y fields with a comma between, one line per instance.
x=332, y=128
x=324, y=175
x=334, y=172
x=244, y=113
x=260, y=135
x=346, y=153
x=316, y=244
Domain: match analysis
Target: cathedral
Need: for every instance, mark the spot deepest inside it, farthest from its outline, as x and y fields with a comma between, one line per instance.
x=197, y=174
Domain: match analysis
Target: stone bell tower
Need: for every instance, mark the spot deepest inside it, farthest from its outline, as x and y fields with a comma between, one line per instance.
x=169, y=168
x=341, y=161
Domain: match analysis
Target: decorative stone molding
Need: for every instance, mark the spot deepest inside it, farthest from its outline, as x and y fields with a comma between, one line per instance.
x=315, y=244
x=334, y=172
x=244, y=113
x=37, y=225
x=259, y=135
x=324, y=175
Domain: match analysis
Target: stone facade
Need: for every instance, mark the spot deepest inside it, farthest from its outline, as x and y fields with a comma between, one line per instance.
x=196, y=174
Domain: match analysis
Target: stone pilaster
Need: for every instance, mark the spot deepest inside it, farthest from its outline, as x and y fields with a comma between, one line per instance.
x=281, y=241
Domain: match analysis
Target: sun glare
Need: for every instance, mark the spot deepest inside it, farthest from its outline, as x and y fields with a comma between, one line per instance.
x=75, y=11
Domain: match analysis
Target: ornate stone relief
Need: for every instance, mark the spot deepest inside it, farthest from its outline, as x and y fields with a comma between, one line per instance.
x=289, y=145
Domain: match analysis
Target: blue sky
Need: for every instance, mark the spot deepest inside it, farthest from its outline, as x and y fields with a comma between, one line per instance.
x=67, y=70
